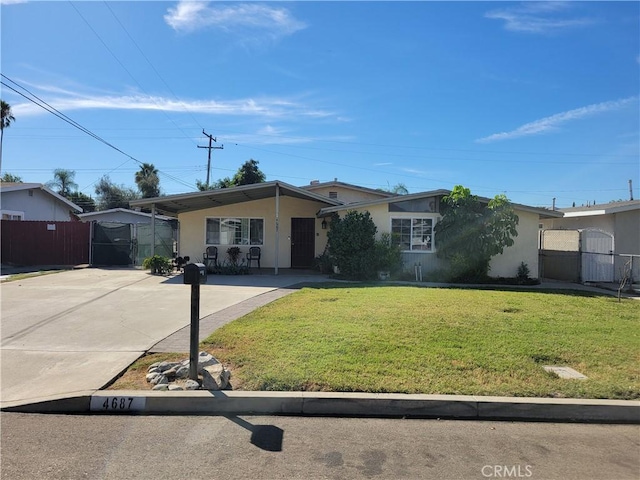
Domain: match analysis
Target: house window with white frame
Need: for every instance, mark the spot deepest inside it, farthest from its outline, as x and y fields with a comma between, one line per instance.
x=234, y=231
x=413, y=234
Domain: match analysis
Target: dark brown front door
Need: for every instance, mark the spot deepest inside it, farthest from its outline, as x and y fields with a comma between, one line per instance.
x=303, y=241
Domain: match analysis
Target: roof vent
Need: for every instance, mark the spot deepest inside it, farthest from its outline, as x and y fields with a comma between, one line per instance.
x=315, y=182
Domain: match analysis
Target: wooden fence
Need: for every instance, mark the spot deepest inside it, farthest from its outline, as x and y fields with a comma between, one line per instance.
x=44, y=243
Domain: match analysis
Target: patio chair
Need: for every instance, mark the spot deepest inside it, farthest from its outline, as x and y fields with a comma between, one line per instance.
x=253, y=255
x=210, y=257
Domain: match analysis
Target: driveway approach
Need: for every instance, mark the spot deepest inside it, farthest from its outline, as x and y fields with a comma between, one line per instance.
x=74, y=331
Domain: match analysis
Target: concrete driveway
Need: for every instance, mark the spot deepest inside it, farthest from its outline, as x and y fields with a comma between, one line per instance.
x=74, y=331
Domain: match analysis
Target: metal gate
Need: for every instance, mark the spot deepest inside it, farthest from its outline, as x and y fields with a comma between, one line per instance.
x=597, y=256
x=577, y=255
x=111, y=244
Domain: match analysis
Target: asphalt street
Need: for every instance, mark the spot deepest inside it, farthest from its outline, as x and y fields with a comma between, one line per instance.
x=251, y=447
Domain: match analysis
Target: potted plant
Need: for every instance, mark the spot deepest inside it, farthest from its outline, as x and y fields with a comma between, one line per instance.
x=158, y=264
x=234, y=254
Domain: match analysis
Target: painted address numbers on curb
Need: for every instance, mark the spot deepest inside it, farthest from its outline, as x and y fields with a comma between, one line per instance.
x=117, y=404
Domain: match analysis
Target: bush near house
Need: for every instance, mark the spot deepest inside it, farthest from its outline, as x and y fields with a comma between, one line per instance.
x=470, y=233
x=351, y=243
x=158, y=264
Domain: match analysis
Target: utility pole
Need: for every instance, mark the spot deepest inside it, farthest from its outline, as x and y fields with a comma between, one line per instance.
x=210, y=147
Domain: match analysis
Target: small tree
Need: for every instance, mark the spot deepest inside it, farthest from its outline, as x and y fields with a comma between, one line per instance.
x=10, y=178
x=63, y=181
x=471, y=232
x=111, y=195
x=351, y=243
x=82, y=200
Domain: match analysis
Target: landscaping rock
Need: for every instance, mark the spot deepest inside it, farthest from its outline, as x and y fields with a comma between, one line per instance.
x=165, y=374
x=191, y=385
x=215, y=377
x=164, y=366
x=206, y=359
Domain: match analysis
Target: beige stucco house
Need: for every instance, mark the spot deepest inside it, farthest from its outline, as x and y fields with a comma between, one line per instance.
x=290, y=224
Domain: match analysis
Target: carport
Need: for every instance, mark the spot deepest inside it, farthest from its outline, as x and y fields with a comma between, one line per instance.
x=174, y=205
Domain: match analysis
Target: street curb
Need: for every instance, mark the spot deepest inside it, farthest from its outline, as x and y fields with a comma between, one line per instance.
x=392, y=405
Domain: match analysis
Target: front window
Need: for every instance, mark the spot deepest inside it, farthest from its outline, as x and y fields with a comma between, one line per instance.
x=235, y=231
x=413, y=234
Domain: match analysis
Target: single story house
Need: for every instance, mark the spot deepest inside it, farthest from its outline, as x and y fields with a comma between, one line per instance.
x=290, y=223
x=34, y=201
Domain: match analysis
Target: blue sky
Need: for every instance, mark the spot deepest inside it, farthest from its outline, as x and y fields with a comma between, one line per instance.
x=533, y=99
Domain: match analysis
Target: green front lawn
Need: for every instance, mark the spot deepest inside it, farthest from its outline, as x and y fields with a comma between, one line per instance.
x=428, y=340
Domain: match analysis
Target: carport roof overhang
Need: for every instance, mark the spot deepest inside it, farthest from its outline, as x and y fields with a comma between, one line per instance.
x=173, y=205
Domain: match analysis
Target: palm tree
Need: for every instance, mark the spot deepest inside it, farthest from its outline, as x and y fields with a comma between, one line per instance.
x=148, y=180
x=63, y=181
x=6, y=118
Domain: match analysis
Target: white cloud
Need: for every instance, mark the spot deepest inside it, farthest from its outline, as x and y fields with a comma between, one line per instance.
x=189, y=16
x=551, y=123
x=538, y=17
x=258, y=107
x=11, y=2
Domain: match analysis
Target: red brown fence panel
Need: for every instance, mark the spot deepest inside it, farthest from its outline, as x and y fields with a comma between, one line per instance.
x=44, y=243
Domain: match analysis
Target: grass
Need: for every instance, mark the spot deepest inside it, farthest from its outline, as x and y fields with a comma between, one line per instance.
x=444, y=341
x=23, y=276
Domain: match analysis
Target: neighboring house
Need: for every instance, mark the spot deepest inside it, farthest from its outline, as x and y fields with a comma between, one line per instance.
x=34, y=201
x=120, y=215
x=620, y=221
x=290, y=224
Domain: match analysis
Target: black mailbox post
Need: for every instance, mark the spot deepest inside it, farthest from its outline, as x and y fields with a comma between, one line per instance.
x=194, y=275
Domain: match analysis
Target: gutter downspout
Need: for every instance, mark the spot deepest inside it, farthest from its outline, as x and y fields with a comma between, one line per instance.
x=277, y=227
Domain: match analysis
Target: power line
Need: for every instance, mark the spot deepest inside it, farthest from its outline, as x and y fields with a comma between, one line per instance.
x=152, y=66
x=44, y=105
x=125, y=68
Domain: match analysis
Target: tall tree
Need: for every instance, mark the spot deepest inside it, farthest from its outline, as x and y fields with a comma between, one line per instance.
x=63, y=181
x=6, y=118
x=111, y=195
x=148, y=181
x=471, y=232
x=10, y=178
x=248, y=174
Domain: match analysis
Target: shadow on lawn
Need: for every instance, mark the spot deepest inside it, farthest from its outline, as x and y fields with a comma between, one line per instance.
x=570, y=290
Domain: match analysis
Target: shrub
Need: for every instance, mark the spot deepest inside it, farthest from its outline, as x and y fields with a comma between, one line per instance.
x=351, y=243
x=158, y=264
x=523, y=273
x=323, y=263
x=388, y=256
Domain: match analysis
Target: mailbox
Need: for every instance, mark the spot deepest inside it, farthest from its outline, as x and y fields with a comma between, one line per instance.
x=195, y=274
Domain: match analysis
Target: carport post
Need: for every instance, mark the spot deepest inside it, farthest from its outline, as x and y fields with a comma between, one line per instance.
x=277, y=226
x=153, y=229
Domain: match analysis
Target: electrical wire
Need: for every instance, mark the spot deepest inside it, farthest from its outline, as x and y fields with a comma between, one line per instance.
x=44, y=105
